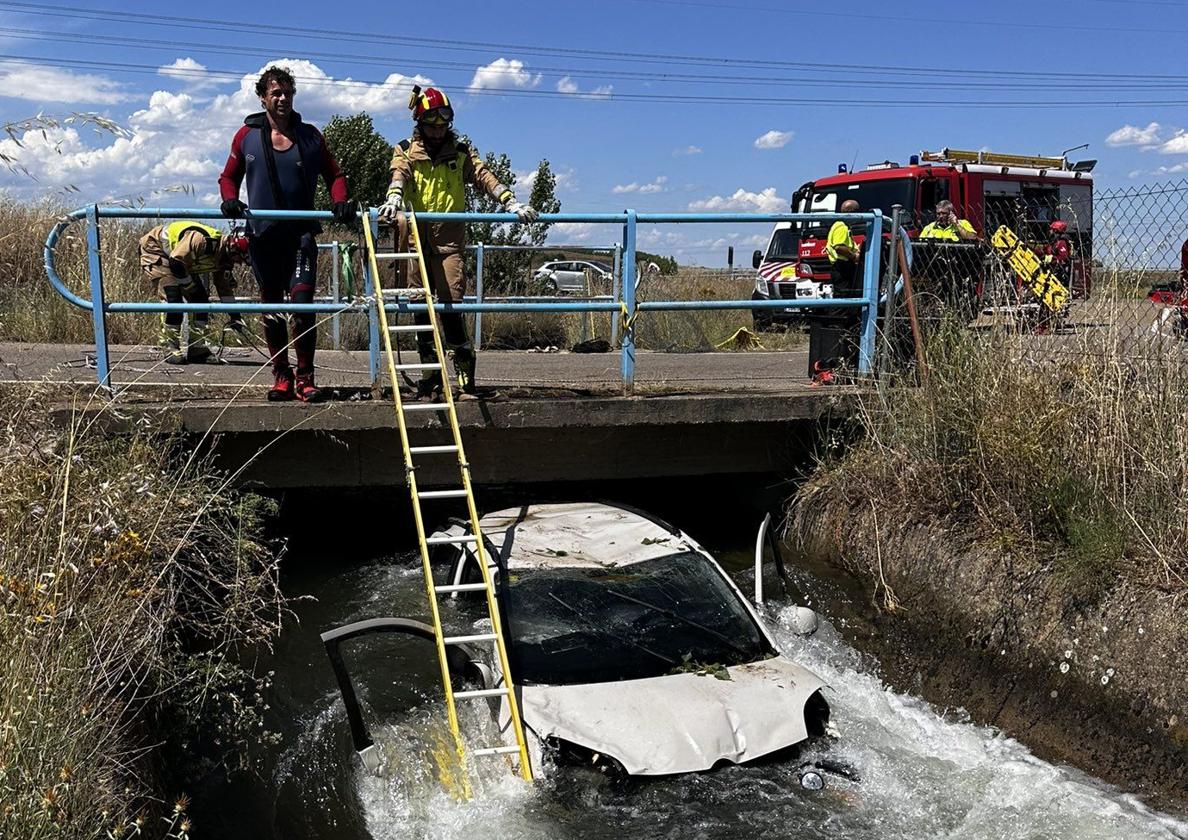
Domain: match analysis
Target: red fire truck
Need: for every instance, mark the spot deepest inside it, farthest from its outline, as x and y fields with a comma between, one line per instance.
x=987, y=188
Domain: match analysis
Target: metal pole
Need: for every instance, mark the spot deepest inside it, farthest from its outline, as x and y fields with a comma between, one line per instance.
x=478, y=296
x=889, y=290
x=98, y=313
x=627, y=359
x=373, y=288
x=615, y=275
x=870, y=291
x=335, y=326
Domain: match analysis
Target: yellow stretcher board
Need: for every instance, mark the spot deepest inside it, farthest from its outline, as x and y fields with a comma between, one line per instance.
x=1023, y=261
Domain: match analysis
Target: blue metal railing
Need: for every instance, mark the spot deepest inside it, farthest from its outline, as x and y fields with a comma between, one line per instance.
x=627, y=306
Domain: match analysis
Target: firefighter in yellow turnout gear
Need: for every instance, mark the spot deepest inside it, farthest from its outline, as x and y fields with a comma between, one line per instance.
x=182, y=259
x=430, y=171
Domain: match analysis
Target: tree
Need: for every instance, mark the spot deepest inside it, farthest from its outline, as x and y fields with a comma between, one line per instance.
x=508, y=271
x=364, y=157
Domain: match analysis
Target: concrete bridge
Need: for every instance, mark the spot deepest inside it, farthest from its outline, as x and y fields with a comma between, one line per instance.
x=560, y=417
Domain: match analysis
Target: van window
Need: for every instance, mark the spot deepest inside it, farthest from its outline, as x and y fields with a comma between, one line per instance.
x=785, y=245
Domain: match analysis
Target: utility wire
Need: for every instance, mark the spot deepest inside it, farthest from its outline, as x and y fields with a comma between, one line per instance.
x=438, y=44
x=597, y=75
x=644, y=98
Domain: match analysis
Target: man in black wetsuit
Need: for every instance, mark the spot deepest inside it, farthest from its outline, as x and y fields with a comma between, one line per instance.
x=281, y=158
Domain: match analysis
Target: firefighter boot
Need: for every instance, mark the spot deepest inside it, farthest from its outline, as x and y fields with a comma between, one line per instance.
x=200, y=348
x=429, y=388
x=170, y=339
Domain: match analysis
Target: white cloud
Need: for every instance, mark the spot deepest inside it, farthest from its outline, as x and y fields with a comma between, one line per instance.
x=182, y=68
x=564, y=178
x=38, y=83
x=503, y=74
x=568, y=86
x=1177, y=145
x=741, y=200
x=181, y=139
x=655, y=186
x=774, y=139
x=1132, y=135
x=687, y=150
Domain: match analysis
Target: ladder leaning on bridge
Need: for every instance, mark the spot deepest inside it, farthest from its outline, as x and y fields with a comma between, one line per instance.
x=461, y=784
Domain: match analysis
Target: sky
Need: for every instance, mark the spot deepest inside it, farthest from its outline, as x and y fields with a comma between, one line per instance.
x=657, y=105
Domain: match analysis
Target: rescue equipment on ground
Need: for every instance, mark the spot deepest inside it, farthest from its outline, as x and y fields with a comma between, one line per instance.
x=1030, y=269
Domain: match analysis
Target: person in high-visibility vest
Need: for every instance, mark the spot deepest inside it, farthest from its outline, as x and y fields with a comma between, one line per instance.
x=183, y=260
x=830, y=342
x=429, y=171
x=947, y=227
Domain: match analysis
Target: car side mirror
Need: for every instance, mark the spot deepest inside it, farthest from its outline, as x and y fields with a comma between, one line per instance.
x=756, y=259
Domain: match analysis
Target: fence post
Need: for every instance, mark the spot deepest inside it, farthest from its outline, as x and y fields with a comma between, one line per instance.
x=615, y=275
x=889, y=287
x=478, y=296
x=98, y=312
x=870, y=290
x=627, y=356
x=373, y=289
x=335, y=326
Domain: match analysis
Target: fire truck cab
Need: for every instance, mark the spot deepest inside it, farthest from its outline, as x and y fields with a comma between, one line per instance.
x=1024, y=193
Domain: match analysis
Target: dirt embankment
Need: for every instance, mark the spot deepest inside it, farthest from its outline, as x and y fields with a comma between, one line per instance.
x=1099, y=681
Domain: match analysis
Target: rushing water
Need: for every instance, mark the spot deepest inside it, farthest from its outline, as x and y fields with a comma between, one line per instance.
x=924, y=773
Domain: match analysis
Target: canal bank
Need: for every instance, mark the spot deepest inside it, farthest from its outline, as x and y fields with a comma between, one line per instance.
x=1093, y=678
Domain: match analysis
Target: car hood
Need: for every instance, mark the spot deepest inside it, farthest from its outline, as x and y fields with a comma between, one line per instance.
x=681, y=723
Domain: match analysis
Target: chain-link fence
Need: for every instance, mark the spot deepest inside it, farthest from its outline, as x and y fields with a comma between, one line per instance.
x=1068, y=276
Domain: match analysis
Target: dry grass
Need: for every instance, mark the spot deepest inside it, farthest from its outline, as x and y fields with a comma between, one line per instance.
x=1075, y=443
x=131, y=582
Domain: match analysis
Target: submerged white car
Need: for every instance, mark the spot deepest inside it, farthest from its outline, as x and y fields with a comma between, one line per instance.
x=630, y=647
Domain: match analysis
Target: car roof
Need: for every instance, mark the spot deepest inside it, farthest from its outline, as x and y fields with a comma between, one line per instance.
x=580, y=534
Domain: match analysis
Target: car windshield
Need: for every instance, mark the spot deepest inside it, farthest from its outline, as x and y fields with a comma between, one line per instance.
x=870, y=195
x=785, y=245
x=573, y=625
x=601, y=266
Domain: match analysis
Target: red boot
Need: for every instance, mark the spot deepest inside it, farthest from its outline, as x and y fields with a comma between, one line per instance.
x=282, y=389
x=306, y=390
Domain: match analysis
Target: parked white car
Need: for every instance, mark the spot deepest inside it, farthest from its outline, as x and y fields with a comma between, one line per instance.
x=568, y=277
x=633, y=651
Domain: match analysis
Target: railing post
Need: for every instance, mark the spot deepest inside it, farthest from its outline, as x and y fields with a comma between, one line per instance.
x=335, y=325
x=478, y=296
x=870, y=291
x=373, y=289
x=889, y=291
x=615, y=275
x=98, y=313
x=627, y=356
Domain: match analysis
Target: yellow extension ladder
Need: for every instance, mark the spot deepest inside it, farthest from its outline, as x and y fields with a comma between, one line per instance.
x=459, y=785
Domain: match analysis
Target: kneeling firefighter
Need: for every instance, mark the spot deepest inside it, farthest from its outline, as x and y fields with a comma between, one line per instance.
x=430, y=171
x=183, y=259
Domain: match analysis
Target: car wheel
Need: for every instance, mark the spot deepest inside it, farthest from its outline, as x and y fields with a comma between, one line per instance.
x=763, y=319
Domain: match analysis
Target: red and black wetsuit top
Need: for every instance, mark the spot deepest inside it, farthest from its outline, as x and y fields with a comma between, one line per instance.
x=280, y=180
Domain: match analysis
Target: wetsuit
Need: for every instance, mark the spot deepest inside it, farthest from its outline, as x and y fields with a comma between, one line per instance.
x=283, y=254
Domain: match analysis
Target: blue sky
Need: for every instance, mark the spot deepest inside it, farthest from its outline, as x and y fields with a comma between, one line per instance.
x=596, y=89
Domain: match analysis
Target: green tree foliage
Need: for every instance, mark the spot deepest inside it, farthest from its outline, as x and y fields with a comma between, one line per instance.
x=364, y=156
x=509, y=271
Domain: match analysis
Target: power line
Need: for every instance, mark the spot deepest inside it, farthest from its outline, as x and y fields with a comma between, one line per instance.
x=648, y=98
x=419, y=42
x=198, y=47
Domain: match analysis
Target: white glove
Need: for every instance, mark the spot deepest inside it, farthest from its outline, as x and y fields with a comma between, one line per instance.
x=524, y=212
x=392, y=205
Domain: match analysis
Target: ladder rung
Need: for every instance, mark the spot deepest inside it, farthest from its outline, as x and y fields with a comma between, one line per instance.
x=442, y=494
x=396, y=255
x=408, y=291
x=460, y=587
x=481, y=692
x=406, y=328
x=432, y=450
x=467, y=539
x=441, y=406
x=461, y=640
x=419, y=366
x=495, y=751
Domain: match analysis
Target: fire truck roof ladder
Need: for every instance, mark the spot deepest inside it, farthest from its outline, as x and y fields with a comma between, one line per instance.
x=994, y=159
